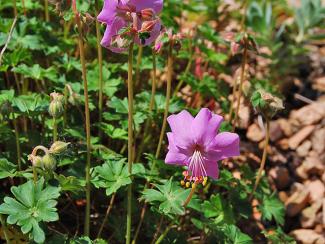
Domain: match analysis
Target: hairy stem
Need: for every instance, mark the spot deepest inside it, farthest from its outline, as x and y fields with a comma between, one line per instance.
x=100, y=67
x=65, y=94
x=24, y=8
x=137, y=68
x=55, y=130
x=262, y=165
x=130, y=142
x=106, y=215
x=17, y=143
x=242, y=77
x=87, y=115
x=15, y=8
x=46, y=10
x=168, y=93
x=162, y=133
x=164, y=234
x=151, y=105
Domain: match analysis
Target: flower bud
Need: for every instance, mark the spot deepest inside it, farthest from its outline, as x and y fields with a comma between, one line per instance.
x=267, y=103
x=37, y=161
x=58, y=147
x=49, y=162
x=56, y=105
x=147, y=14
x=147, y=26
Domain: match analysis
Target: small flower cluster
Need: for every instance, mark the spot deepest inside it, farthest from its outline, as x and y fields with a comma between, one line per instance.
x=128, y=21
x=47, y=161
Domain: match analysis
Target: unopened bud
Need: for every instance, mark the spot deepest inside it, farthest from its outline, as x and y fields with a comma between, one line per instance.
x=147, y=26
x=56, y=105
x=49, y=162
x=147, y=14
x=37, y=161
x=58, y=147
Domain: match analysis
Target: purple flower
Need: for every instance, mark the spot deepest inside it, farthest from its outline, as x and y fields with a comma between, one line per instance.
x=130, y=19
x=196, y=144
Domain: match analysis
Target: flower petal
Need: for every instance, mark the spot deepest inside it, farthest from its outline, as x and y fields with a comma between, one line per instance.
x=156, y=5
x=111, y=31
x=224, y=145
x=205, y=126
x=212, y=169
x=108, y=12
x=180, y=125
x=175, y=155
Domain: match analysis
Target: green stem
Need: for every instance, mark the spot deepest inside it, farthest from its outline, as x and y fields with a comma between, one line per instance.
x=137, y=69
x=15, y=8
x=87, y=115
x=242, y=77
x=46, y=9
x=262, y=165
x=65, y=94
x=17, y=141
x=162, y=133
x=130, y=142
x=106, y=216
x=5, y=229
x=100, y=66
x=24, y=8
x=168, y=93
x=151, y=105
x=164, y=234
x=55, y=130
x=187, y=70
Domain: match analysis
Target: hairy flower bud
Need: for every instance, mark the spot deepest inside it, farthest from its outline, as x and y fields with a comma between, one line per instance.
x=267, y=103
x=147, y=14
x=56, y=105
x=36, y=161
x=58, y=147
x=49, y=162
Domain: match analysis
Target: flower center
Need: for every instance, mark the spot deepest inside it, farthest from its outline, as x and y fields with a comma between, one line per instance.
x=196, y=170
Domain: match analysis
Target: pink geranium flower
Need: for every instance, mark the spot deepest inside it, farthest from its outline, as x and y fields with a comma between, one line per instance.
x=196, y=144
x=130, y=19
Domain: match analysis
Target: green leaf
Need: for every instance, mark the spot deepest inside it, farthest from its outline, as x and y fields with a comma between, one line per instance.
x=218, y=209
x=112, y=175
x=33, y=204
x=271, y=208
x=70, y=183
x=235, y=236
x=7, y=169
x=170, y=197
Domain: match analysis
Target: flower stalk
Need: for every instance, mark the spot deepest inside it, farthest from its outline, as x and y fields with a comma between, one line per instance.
x=242, y=77
x=87, y=115
x=55, y=130
x=100, y=67
x=137, y=69
x=109, y=208
x=168, y=95
x=263, y=161
x=130, y=142
x=46, y=10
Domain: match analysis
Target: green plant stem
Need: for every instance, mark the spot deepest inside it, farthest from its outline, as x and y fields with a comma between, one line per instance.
x=106, y=215
x=189, y=197
x=187, y=70
x=5, y=229
x=46, y=9
x=168, y=93
x=17, y=143
x=242, y=77
x=243, y=20
x=262, y=165
x=137, y=68
x=24, y=8
x=164, y=234
x=234, y=91
x=151, y=105
x=100, y=67
x=55, y=130
x=87, y=115
x=130, y=142
x=65, y=94
x=34, y=153
x=15, y=8
x=162, y=133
